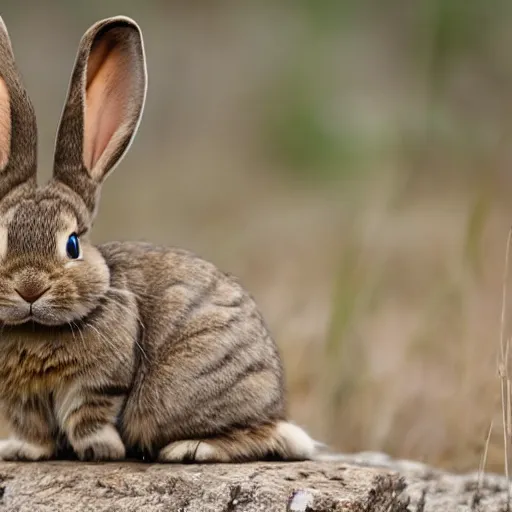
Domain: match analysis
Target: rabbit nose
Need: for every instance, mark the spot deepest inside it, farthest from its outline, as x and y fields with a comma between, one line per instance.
x=31, y=294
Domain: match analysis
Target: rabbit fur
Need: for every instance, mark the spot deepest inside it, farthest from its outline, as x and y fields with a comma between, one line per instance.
x=129, y=349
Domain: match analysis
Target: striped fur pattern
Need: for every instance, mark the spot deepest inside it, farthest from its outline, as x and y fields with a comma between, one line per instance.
x=128, y=349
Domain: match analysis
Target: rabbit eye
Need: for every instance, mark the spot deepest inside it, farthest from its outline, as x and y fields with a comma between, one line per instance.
x=73, y=246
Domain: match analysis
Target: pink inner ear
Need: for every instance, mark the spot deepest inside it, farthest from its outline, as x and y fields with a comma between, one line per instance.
x=106, y=104
x=5, y=124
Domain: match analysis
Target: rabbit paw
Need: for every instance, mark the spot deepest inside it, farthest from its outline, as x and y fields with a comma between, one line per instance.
x=15, y=449
x=104, y=444
x=192, y=451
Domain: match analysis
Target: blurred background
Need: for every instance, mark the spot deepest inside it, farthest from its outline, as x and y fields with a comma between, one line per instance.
x=351, y=161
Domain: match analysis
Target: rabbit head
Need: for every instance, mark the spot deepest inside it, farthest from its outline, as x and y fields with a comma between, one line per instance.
x=50, y=273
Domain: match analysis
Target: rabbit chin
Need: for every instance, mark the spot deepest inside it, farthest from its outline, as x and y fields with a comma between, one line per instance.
x=41, y=314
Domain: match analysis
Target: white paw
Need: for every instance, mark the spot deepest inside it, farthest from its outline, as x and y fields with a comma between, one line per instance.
x=16, y=449
x=298, y=443
x=192, y=450
x=104, y=444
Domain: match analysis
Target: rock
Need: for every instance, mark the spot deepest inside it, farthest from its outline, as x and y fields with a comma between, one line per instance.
x=361, y=483
x=262, y=487
x=432, y=490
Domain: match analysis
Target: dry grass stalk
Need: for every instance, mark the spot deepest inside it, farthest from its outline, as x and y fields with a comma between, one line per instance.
x=503, y=370
x=481, y=471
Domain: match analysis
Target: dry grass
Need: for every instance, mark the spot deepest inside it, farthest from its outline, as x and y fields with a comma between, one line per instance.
x=503, y=372
x=413, y=376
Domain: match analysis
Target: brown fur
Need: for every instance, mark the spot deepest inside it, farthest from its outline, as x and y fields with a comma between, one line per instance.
x=19, y=164
x=131, y=346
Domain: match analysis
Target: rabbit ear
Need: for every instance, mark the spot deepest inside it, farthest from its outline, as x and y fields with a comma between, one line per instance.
x=18, y=131
x=104, y=106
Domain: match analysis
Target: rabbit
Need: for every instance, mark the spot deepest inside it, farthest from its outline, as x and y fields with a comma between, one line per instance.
x=126, y=349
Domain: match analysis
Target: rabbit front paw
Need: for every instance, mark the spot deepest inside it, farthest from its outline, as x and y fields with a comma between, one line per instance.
x=104, y=444
x=192, y=451
x=16, y=449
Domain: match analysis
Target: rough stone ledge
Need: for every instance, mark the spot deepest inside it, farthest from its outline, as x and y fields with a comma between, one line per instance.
x=360, y=483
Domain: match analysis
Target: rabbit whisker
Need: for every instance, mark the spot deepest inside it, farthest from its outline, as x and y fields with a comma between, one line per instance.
x=72, y=331
x=122, y=360
x=128, y=310
x=103, y=338
x=7, y=302
x=79, y=332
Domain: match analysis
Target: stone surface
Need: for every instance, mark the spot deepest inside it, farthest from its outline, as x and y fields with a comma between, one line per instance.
x=431, y=490
x=264, y=487
x=363, y=483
